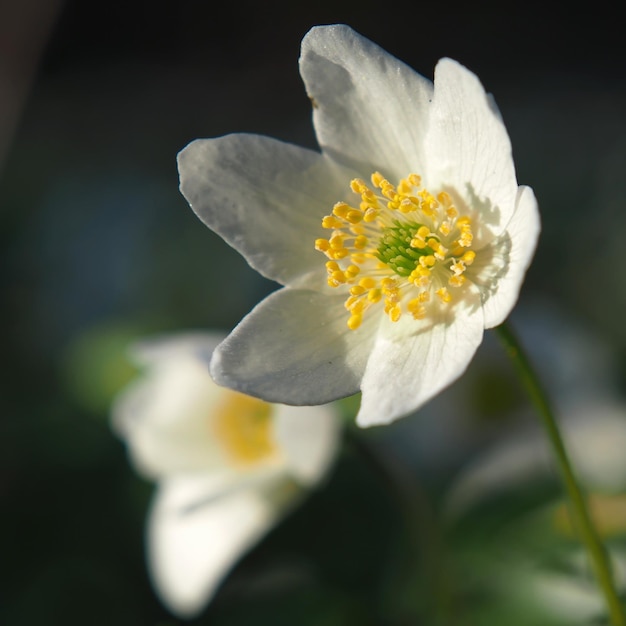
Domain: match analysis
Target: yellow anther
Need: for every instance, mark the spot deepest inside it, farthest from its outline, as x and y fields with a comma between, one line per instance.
x=354, y=216
x=416, y=309
x=424, y=296
x=374, y=295
x=468, y=257
x=350, y=302
x=332, y=266
x=351, y=271
x=423, y=232
x=404, y=187
x=341, y=253
x=457, y=280
x=354, y=321
x=444, y=295
x=413, y=305
x=392, y=296
x=463, y=221
x=427, y=260
x=322, y=245
x=388, y=283
x=394, y=313
x=441, y=252
x=358, y=185
x=358, y=306
x=357, y=290
x=443, y=197
x=330, y=221
x=415, y=180
x=444, y=228
x=465, y=240
x=377, y=179
x=370, y=215
x=432, y=243
x=341, y=209
x=336, y=241
x=332, y=282
x=458, y=267
x=360, y=242
x=368, y=282
x=338, y=276
x=389, y=191
x=406, y=206
x=451, y=212
x=417, y=242
x=358, y=258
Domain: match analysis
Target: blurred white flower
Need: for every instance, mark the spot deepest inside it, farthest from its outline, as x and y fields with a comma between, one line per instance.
x=393, y=297
x=227, y=466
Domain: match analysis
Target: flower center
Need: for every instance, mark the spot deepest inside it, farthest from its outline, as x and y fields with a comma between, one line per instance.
x=400, y=246
x=243, y=425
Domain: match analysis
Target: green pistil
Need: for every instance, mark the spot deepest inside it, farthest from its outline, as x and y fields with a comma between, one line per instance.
x=394, y=247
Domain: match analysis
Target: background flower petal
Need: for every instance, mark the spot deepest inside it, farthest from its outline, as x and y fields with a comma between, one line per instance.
x=370, y=110
x=194, y=542
x=265, y=198
x=164, y=416
x=413, y=360
x=309, y=437
x=468, y=147
x=294, y=348
x=500, y=267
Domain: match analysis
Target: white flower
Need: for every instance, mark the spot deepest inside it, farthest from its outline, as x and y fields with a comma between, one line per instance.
x=227, y=465
x=388, y=285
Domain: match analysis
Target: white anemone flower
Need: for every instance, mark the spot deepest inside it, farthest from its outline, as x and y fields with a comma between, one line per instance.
x=396, y=245
x=227, y=466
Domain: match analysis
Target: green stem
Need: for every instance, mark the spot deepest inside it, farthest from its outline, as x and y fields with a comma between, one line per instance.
x=582, y=518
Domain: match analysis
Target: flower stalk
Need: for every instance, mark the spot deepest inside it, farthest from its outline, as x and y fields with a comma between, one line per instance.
x=583, y=522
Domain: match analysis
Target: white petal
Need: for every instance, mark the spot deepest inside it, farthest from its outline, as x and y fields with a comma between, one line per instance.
x=294, y=348
x=309, y=437
x=415, y=359
x=164, y=415
x=370, y=109
x=266, y=198
x=468, y=147
x=193, y=542
x=500, y=267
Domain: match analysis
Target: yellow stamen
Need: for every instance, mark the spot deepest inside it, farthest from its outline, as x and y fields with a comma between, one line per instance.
x=401, y=245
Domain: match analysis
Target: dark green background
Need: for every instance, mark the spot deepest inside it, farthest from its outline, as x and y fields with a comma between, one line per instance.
x=98, y=248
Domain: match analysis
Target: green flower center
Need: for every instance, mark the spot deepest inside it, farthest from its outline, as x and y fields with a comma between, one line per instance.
x=394, y=247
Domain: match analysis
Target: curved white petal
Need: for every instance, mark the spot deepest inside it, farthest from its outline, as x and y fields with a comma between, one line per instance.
x=194, y=541
x=294, y=348
x=266, y=198
x=500, y=267
x=414, y=360
x=469, y=149
x=309, y=438
x=164, y=416
x=370, y=109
